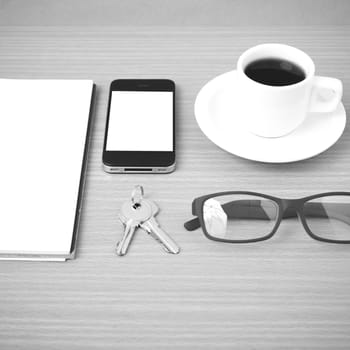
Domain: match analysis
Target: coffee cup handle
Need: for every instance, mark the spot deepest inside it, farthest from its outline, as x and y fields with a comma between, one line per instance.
x=326, y=94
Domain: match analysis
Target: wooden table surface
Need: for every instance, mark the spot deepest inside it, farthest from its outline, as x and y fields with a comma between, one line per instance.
x=290, y=292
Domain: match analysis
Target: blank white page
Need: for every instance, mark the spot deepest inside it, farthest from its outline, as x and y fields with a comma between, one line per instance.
x=43, y=125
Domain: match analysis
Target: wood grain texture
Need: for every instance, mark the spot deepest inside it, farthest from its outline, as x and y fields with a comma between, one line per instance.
x=287, y=293
x=173, y=13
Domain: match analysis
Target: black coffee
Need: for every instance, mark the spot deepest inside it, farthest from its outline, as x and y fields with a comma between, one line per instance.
x=275, y=72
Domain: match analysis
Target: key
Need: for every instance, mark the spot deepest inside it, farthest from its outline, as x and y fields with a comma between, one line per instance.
x=151, y=226
x=132, y=216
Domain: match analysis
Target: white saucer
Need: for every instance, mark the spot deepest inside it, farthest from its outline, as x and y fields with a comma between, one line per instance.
x=215, y=104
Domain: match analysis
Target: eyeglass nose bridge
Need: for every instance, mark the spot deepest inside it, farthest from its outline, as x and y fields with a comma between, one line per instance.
x=291, y=208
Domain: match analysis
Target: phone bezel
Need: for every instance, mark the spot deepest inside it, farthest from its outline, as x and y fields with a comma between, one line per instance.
x=139, y=159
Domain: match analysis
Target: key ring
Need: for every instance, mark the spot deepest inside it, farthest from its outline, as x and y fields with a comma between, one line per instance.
x=137, y=196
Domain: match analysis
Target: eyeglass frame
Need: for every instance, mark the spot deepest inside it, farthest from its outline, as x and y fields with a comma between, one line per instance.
x=283, y=204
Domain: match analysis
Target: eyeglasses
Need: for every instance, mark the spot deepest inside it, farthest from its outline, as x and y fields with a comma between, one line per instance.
x=244, y=217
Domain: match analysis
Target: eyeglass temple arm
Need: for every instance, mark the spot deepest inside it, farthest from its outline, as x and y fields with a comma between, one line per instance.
x=192, y=224
x=252, y=209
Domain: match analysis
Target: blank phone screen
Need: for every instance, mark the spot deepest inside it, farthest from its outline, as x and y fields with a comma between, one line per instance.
x=140, y=121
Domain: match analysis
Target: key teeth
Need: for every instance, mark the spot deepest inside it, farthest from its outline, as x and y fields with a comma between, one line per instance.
x=175, y=252
x=167, y=250
x=117, y=251
x=175, y=249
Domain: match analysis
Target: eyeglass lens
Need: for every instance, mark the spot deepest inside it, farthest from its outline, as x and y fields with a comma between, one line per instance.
x=329, y=217
x=239, y=217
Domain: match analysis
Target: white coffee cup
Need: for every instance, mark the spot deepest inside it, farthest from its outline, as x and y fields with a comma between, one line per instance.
x=274, y=111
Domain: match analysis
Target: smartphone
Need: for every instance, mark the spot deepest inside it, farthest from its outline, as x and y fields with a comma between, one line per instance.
x=140, y=127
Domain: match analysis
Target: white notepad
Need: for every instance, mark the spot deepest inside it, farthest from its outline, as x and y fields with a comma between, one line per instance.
x=43, y=143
